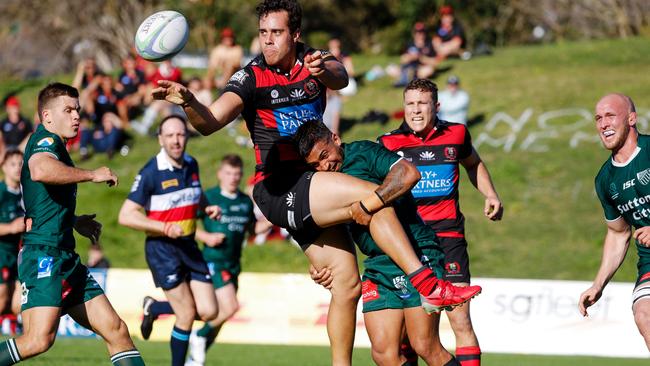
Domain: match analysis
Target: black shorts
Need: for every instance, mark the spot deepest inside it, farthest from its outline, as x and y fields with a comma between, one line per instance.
x=283, y=198
x=456, y=259
x=174, y=261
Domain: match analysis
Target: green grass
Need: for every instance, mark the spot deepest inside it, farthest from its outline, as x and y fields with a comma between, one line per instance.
x=553, y=225
x=93, y=352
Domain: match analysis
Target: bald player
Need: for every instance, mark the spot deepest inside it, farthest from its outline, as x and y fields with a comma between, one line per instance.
x=623, y=187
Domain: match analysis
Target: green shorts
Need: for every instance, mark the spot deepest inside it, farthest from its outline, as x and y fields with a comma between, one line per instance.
x=222, y=275
x=385, y=286
x=8, y=266
x=51, y=276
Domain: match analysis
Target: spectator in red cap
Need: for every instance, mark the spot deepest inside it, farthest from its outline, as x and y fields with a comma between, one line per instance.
x=225, y=60
x=449, y=36
x=15, y=129
x=418, y=60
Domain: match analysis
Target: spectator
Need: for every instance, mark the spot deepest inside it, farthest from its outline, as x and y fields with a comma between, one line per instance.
x=166, y=71
x=332, y=115
x=15, y=129
x=87, y=71
x=454, y=102
x=225, y=60
x=104, y=129
x=201, y=93
x=132, y=88
x=449, y=36
x=418, y=60
x=96, y=258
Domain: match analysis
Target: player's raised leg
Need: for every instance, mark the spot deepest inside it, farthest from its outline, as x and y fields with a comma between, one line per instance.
x=98, y=315
x=334, y=249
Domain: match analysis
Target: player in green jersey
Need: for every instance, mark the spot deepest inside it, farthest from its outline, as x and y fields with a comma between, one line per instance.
x=223, y=240
x=12, y=225
x=623, y=188
x=389, y=301
x=53, y=280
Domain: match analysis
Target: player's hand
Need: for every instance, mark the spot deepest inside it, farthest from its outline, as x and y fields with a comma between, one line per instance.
x=172, y=92
x=172, y=230
x=315, y=63
x=493, y=208
x=322, y=277
x=104, y=174
x=642, y=235
x=215, y=239
x=359, y=215
x=213, y=212
x=18, y=225
x=589, y=298
x=87, y=226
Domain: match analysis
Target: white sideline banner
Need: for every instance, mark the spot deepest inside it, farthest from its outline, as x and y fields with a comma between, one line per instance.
x=510, y=316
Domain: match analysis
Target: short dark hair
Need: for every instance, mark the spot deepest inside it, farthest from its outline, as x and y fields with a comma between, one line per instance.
x=233, y=160
x=310, y=133
x=53, y=91
x=172, y=116
x=424, y=85
x=11, y=152
x=292, y=8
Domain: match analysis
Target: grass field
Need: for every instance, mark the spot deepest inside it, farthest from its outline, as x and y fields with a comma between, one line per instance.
x=553, y=225
x=93, y=352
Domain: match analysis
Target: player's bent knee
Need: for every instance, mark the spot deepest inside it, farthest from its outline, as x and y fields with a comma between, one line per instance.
x=423, y=347
x=207, y=313
x=347, y=291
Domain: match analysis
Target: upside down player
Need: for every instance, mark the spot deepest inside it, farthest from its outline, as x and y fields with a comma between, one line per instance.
x=623, y=189
x=53, y=280
x=276, y=93
x=390, y=303
x=437, y=148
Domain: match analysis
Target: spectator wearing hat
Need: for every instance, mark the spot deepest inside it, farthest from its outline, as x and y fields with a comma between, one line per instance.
x=418, y=60
x=454, y=102
x=449, y=36
x=15, y=129
x=225, y=60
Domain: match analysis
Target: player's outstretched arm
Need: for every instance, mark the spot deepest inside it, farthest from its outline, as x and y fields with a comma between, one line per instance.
x=45, y=168
x=206, y=120
x=617, y=240
x=479, y=175
x=131, y=215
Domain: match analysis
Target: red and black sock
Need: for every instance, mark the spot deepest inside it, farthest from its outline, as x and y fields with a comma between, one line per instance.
x=469, y=356
x=424, y=280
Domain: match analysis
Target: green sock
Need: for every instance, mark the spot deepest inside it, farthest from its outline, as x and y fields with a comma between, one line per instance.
x=127, y=358
x=205, y=331
x=9, y=353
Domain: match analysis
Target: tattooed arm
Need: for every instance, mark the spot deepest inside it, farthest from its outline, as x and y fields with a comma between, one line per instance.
x=402, y=177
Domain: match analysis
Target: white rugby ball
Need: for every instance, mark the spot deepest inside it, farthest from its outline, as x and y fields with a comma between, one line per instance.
x=162, y=35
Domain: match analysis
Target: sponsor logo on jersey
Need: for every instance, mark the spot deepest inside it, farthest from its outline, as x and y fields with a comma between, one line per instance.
x=400, y=284
x=239, y=77
x=436, y=181
x=171, y=278
x=613, y=191
x=274, y=93
x=311, y=87
x=288, y=119
x=297, y=94
x=427, y=155
x=136, y=183
x=24, y=293
x=452, y=268
x=47, y=141
x=637, y=205
x=628, y=184
x=451, y=153
x=169, y=183
x=644, y=176
x=44, y=267
x=369, y=291
x=290, y=199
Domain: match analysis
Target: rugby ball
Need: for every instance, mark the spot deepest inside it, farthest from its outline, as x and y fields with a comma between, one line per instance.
x=162, y=35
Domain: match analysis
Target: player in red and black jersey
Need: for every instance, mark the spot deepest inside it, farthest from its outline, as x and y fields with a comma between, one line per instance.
x=437, y=148
x=276, y=93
